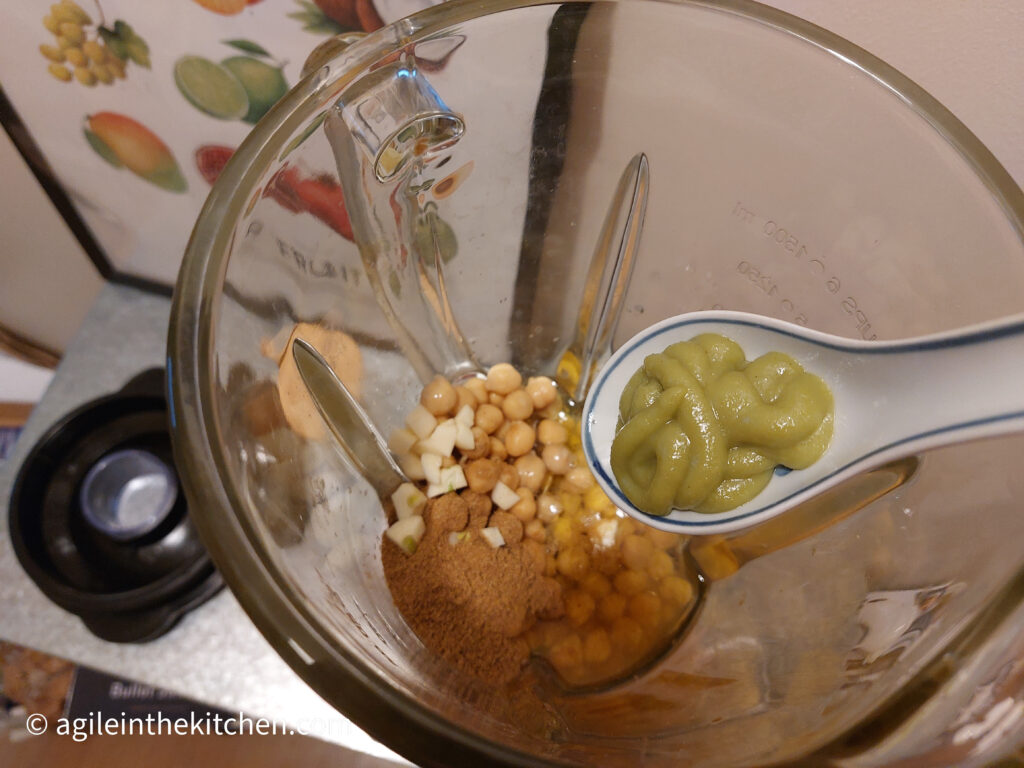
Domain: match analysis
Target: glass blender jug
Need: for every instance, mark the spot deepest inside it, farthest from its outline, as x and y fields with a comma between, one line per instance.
x=764, y=165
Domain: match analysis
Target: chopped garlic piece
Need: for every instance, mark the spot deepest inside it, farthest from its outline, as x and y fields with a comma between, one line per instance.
x=503, y=496
x=408, y=500
x=454, y=476
x=407, y=533
x=420, y=421
x=441, y=440
x=465, y=416
x=402, y=441
x=464, y=439
x=412, y=466
x=452, y=479
x=493, y=537
x=431, y=467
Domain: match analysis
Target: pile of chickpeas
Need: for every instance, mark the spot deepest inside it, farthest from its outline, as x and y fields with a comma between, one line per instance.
x=624, y=586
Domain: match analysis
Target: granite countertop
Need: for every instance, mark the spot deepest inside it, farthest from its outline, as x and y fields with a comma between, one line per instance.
x=215, y=655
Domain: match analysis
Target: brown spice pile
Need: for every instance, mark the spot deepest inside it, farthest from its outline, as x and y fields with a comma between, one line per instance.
x=469, y=602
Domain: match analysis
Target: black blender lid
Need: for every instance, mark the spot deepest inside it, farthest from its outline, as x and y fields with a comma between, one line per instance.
x=100, y=523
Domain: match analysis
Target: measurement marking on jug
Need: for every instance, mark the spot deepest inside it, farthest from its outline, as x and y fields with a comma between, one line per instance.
x=743, y=214
x=767, y=285
x=784, y=239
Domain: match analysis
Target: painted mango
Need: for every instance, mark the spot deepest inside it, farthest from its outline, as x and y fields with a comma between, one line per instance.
x=122, y=141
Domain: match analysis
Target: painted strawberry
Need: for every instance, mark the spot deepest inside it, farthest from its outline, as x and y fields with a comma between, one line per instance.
x=211, y=159
x=319, y=195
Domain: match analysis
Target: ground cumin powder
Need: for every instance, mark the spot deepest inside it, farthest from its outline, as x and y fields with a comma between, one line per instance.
x=466, y=601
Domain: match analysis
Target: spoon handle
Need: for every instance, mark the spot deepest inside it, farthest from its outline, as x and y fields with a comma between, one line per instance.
x=347, y=421
x=946, y=388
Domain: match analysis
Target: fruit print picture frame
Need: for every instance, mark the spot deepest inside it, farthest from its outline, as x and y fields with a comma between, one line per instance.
x=126, y=112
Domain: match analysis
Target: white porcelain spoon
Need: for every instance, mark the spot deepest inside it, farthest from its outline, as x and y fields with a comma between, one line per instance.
x=892, y=399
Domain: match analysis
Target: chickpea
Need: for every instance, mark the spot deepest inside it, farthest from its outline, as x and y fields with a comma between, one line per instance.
x=519, y=439
x=482, y=475
x=551, y=432
x=464, y=397
x=556, y=459
x=509, y=476
x=478, y=389
x=714, y=557
x=597, y=646
x=596, y=584
x=573, y=562
x=526, y=508
x=495, y=399
x=579, y=607
x=645, y=610
x=627, y=635
x=567, y=652
x=481, y=445
x=564, y=531
x=548, y=507
x=630, y=583
x=670, y=614
x=496, y=449
x=606, y=561
x=488, y=418
x=661, y=539
x=571, y=502
x=542, y=391
x=517, y=406
x=611, y=606
x=503, y=378
x=598, y=500
x=551, y=632
x=534, y=530
x=636, y=551
x=578, y=479
x=675, y=589
x=531, y=471
x=660, y=565
x=590, y=520
x=501, y=431
x=626, y=526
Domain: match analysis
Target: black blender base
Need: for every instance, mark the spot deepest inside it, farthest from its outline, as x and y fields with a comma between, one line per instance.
x=131, y=588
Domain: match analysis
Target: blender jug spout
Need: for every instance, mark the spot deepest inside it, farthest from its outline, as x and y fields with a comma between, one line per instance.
x=386, y=131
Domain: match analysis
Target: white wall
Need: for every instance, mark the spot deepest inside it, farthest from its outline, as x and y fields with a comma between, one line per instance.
x=967, y=54
x=47, y=283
